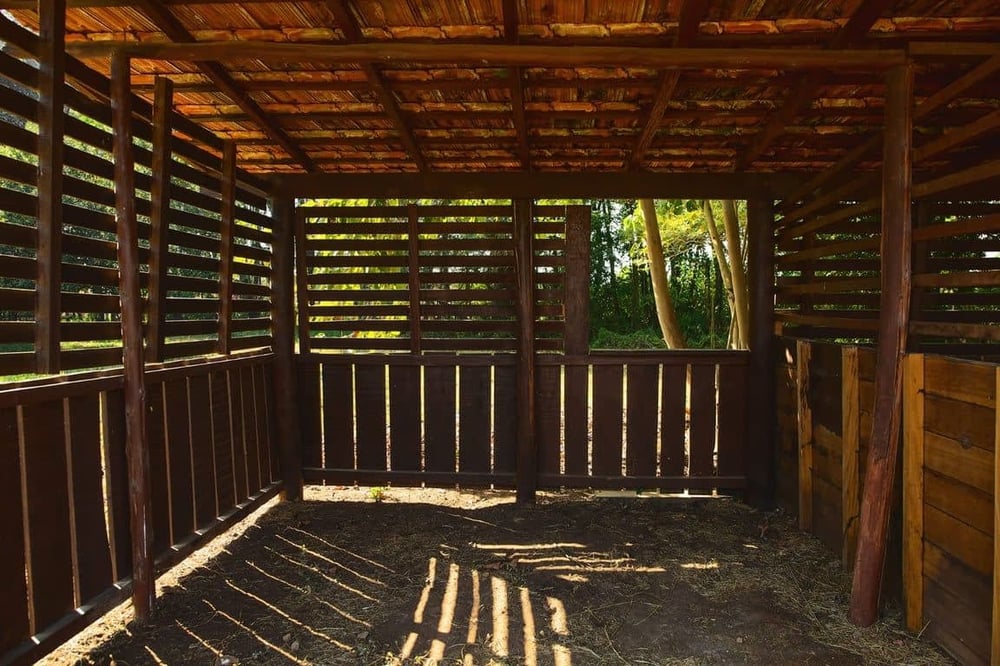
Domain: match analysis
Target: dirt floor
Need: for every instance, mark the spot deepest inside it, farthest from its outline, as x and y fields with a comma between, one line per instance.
x=373, y=576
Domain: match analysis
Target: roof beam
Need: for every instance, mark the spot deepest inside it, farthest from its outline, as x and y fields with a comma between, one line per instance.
x=489, y=55
x=807, y=87
x=691, y=14
x=352, y=33
x=512, y=36
x=216, y=73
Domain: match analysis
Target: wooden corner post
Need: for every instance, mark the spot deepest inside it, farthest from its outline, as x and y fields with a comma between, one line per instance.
x=524, y=259
x=760, y=458
x=897, y=232
x=283, y=320
x=159, y=217
x=136, y=444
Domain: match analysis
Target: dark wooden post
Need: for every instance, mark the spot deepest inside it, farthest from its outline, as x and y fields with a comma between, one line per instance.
x=876, y=502
x=524, y=259
x=51, y=122
x=761, y=398
x=413, y=227
x=283, y=318
x=228, y=193
x=577, y=335
x=921, y=254
x=136, y=444
x=298, y=224
x=159, y=217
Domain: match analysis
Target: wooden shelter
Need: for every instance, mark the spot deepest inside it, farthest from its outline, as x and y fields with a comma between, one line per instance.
x=163, y=169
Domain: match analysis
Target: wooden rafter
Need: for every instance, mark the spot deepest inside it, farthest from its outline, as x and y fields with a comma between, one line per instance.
x=512, y=36
x=802, y=94
x=352, y=33
x=166, y=21
x=691, y=14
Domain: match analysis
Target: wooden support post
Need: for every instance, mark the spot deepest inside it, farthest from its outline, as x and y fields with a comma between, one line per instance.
x=524, y=258
x=301, y=279
x=850, y=423
x=159, y=217
x=897, y=230
x=51, y=122
x=228, y=194
x=913, y=491
x=413, y=226
x=134, y=388
x=995, y=638
x=920, y=257
x=283, y=318
x=577, y=331
x=803, y=352
x=761, y=407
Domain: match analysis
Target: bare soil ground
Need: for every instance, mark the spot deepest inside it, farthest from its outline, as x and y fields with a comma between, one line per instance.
x=442, y=576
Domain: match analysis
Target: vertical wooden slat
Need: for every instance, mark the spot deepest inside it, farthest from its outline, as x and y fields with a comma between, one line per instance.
x=995, y=635
x=505, y=420
x=202, y=449
x=608, y=404
x=298, y=221
x=93, y=549
x=14, y=626
x=548, y=412
x=524, y=259
x=761, y=400
x=413, y=227
x=159, y=479
x=851, y=434
x=640, y=422
x=178, y=425
x=404, y=417
x=369, y=391
x=308, y=403
x=51, y=122
x=703, y=404
x=733, y=421
x=919, y=264
x=805, y=434
x=577, y=302
x=283, y=328
x=474, y=419
x=143, y=584
x=250, y=442
x=227, y=191
x=577, y=418
x=113, y=416
x=240, y=471
x=913, y=492
x=673, y=407
x=894, y=311
x=439, y=418
x=265, y=442
x=222, y=442
x=159, y=216
x=338, y=417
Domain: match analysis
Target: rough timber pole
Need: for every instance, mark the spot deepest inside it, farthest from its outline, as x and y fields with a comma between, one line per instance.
x=893, y=323
x=760, y=471
x=136, y=445
x=524, y=258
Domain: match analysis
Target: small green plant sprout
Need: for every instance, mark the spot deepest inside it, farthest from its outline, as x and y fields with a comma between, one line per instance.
x=377, y=493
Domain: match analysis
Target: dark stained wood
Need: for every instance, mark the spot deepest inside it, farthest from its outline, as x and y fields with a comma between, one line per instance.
x=50, y=561
x=264, y=400
x=14, y=626
x=140, y=510
x=505, y=419
x=249, y=417
x=511, y=35
x=733, y=430
x=524, y=259
x=338, y=419
x=577, y=336
x=301, y=273
x=307, y=390
x=673, y=417
x=369, y=400
x=577, y=418
x=51, y=127
x=876, y=502
x=240, y=472
x=113, y=416
x=159, y=475
x=202, y=450
x=379, y=477
x=608, y=406
x=762, y=396
x=439, y=418
x=703, y=420
x=178, y=435
x=413, y=279
x=226, y=230
x=674, y=483
x=222, y=442
x=159, y=213
x=641, y=389
x=404, y=418
x=474, y=419
x=548, y=417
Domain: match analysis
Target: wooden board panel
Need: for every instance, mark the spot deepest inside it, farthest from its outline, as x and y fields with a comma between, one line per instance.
x=307, y=396
x=265, y=443
x=93, y=551
x=972, y=425
x=222, y=442
x=439, y=418
x=548, y=412
x=338, y=419
x=827, y=519
x=608, y=405
x=404, y=417
x=642, y=398
x=238, y=434
x=673, y=427
x=117, y=481
x=965, y=544
x=504, y=419
x=369, y=392
x=202, y=450
x=964, y=503
x=13, y=586
x=967, y=464
x=50, y=561
x=249, y=417
x=732, y=420
x=577, y=418
x=963, y=381
x=961, y=629
x=179, y=447
x=474, y=419
x=159, y=479
x=702, y=420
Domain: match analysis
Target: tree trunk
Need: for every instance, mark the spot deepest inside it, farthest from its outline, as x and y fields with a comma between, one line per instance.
x=665, y=314
x=737, y=272
x=720, y=259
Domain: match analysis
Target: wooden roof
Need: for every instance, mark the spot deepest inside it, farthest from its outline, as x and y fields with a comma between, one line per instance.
x=498, y=113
